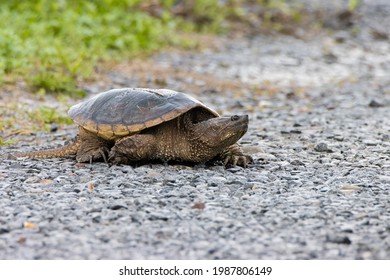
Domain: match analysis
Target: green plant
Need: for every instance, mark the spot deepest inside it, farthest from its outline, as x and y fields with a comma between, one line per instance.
x=54, y=82
x=7, y=142
x=353, y=4
x=54, y=43
x=47, y=115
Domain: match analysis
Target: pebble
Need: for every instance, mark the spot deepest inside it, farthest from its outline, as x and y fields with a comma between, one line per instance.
x=322, y=148
x=375, y=104
x=349, y=188
x=339, y=239
x=296, y=162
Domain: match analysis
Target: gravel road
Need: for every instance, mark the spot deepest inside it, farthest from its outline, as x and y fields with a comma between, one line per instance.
x=319, y=132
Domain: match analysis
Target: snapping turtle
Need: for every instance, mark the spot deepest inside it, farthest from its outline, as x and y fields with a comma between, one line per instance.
x=133, y=124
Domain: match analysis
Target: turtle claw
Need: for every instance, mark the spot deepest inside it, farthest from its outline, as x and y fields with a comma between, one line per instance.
x=234, y=156
x=93, y=155
x=103, y=154
x=115, y=158
x=238, y=160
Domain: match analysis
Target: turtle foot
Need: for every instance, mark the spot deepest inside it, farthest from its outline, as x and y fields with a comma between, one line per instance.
x=234, y=156
x=93, y=155
x=240, y=160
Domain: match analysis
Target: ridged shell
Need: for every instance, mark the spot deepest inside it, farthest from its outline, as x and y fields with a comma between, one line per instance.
x=121, y=112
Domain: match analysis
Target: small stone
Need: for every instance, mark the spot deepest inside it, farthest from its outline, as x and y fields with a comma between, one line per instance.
x=296, y=124
x=386, y=137
x=199, y=205
x=234, y=169
x=97, y=219
x=330, y=58
x=339, y=239
x=53, y=127
x=379, y=34
x=219, y=179
x=297, y=162
x=117, y=207
x=322, y=148
x=370, y=142
x=29, y=225
x=349, y=188
x=341, y=36
x=291, y=131
x=9, y=156
x=375, y=104
x=4, y=230
x=384, y=179
x=21, y=240
x=338, y=138
x=32, y=180
x=337, y=156
x=265, y=156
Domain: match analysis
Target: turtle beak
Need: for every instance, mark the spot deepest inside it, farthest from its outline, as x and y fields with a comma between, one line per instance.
x=240, y=123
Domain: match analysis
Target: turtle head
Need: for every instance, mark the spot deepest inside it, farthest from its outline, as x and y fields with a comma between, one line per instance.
x=214, y=135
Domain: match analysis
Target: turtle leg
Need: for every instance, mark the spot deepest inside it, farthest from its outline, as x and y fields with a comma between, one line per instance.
x=235, y=156
x=91, y=147
x=133, y=148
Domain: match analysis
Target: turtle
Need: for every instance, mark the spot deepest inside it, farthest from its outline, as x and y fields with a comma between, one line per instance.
x=130, y=125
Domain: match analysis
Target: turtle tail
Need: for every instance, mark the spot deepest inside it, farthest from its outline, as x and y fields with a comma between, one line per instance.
x=63, y=151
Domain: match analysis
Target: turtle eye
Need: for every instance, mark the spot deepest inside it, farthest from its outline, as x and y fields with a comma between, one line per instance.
x=235, y=118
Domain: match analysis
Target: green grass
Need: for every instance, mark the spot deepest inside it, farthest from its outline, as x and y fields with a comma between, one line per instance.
x=47, y=115
x=51, y=44
x=7, y=142
x=21, y=119
x=353, y=4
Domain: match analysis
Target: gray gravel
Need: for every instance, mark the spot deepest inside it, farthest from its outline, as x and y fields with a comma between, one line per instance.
x=318, y=189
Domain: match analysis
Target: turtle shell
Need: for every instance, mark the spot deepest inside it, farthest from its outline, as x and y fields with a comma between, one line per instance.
x=121, y=112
